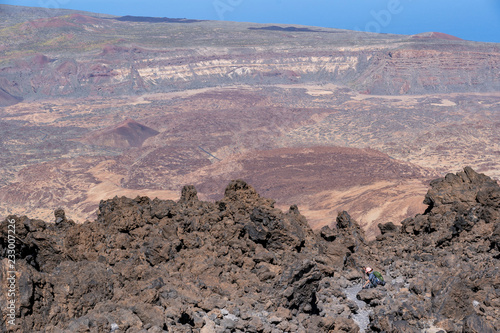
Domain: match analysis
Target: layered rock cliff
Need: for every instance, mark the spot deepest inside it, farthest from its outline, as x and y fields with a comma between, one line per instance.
x=85, y=55
x=397, y=69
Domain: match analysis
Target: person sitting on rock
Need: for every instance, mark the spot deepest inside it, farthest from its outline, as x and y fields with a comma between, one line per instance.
x=374, y=279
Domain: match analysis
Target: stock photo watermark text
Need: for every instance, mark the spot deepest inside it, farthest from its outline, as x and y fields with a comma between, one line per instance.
x=382, y=18
x=223, y=6
x=11, y=277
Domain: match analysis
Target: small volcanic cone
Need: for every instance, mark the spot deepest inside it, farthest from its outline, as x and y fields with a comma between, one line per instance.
x=435, y=35
x=7, y=99
x=128, y=133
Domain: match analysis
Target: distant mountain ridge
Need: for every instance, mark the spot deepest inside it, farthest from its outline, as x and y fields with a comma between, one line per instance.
x=436, y=35
x=371, y=63
x=12, y=14
x=147, y=19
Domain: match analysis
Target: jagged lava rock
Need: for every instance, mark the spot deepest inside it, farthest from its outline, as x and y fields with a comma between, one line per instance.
x=238, y=264
x=444, y=263
x=241, y=265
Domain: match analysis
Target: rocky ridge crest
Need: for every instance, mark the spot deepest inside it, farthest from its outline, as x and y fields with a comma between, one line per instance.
x=444, y=264
x=241, y=265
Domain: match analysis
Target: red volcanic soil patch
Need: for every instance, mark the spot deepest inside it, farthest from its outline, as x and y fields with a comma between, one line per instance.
x=370, y=185
x=84, y=19
x=7, y=99
x=74, y=20
x=282, y=173
x=110, y=49
x=55, y=22
x=435, y=35
x=40, y=60
x=67, y=68
x=128, y=133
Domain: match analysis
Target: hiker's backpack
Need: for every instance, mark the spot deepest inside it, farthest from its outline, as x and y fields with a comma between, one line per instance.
x=380, y=277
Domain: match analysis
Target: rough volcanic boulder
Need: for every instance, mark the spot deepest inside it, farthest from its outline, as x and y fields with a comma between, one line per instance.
x=241, y=265
x=188, y=266
x=463, y=189
x=444, y=263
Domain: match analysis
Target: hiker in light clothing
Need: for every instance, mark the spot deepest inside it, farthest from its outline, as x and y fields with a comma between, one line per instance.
x=373, y=280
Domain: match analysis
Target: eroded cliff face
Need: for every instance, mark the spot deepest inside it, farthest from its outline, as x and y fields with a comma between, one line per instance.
x=239, y=264
x=434, y=68
x=395, y=70
x=79, y=55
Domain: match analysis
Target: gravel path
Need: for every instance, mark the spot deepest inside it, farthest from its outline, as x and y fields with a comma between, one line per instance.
x=362, y=318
